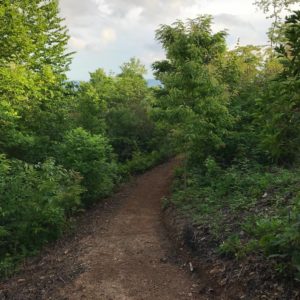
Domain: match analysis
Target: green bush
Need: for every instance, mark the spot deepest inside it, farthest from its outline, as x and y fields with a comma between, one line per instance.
x=129, y=130
x=248, y=208
x=91, y=156
x=35, y=203
x=141, y=162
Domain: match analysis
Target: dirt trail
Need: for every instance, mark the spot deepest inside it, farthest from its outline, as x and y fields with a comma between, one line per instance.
x=122, y=253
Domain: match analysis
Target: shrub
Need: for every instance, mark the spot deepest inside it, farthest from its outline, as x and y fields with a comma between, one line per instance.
x=35, y=203
x=248, y=208
x=141, y=162
x=92, y=157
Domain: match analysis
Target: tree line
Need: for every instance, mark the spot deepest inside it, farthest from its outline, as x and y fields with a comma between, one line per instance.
x=234, y=114
x=63, y=145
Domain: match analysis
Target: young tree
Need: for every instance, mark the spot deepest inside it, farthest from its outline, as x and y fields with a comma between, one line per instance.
x=92, y=100
x=280, y=106
x=33, y=61
x=134, y=66
x=274, y=10
x=129, y=124
x=32, y=35
x=193, y=98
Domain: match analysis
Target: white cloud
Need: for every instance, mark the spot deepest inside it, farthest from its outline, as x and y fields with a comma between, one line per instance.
x=106, y=33
x=103, y=7
x=134, y=14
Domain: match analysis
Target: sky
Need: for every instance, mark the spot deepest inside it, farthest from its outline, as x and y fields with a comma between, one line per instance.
x=107, y=33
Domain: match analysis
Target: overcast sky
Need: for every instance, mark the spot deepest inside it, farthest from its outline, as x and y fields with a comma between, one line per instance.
x=106, y=33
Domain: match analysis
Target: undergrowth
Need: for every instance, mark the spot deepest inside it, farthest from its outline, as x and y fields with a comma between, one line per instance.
x=248, y=208
x=38, y=202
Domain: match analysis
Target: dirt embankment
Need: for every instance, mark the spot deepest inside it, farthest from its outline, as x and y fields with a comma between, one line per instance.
x=251, y=277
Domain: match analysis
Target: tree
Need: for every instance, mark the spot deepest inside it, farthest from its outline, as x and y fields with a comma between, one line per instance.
x=92, y=156
x=134, y=66
x=274, y=10
x=241, y=69
x=118, y=106
x=280, y=104
x=131, y=87
x=32, y=35
x=92, y=100
x=129, y=125
x=193, y=98
x=290, y=51
x=33, y=61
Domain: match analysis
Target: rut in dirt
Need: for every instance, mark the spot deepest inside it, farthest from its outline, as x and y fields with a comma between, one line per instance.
x=124, y=253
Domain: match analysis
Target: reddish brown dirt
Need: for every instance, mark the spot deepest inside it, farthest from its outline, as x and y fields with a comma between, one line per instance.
x=121, y=251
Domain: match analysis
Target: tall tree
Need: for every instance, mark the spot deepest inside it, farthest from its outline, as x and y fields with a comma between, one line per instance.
x=129, y=125
x=33, y=61
x=280, y=107
x=193, y=98
x=134, y=66
x=32, y=35
x=274, y=9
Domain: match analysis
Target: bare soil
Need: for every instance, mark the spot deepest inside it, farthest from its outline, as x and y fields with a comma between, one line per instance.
x=120, y=250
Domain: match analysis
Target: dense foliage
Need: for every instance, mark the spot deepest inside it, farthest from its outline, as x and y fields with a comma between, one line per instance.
x=35, y=202
x=63, y=145
x=195, y=100
x=236, y=116
x=233, y=114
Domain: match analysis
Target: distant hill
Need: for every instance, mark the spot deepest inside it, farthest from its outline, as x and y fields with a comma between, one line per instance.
x=153, y=82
